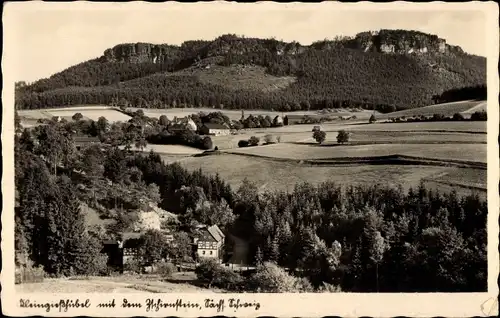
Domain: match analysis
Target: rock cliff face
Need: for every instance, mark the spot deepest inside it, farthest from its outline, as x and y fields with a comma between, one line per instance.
x=401, y=42
x=384, y=41
x=141, y=53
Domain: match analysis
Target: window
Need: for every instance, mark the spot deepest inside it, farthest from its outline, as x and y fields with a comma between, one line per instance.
x=203, y=252
x=211, y=252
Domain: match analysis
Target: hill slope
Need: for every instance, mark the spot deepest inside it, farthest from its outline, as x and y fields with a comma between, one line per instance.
x=386, y=70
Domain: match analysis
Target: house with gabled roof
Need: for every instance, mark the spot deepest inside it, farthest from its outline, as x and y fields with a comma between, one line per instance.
x=209, y=241
x=215, y=129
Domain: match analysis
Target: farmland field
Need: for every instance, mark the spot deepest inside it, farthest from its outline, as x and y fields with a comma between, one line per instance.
x=446, y=109
x=449, y=126
x=236, y=114
x=468, y=152
x=402, y=137
x=169, y=149
x=271, y=174
x=88, y=112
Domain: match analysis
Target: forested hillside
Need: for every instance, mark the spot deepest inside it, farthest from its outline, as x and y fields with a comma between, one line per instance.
x=386, y=70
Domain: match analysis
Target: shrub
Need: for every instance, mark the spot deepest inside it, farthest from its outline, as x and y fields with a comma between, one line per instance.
x=207, y=143
x=438, y=117
x=208, y=271
x=303, y=285
x=319, y=136
x=165, y=269
x=243, y=143
x=187, y=138
x=228, y=279
x=329, y=288
x=253, y=141
x=479, y=116
x=269, y=139
x=29, y=274
x=270, y=278
x=342, y=137
x=77, y=116
x=372, y=119
x=133, y=265
x=458, y=116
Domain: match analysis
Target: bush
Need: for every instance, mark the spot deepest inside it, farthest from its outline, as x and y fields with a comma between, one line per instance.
x=319, y=136
x=133, y=265
x=77, y=116
x=479, y=116
x=270, y=278
x=208, y=271
x=329, y=288
x=165, y=269
x=253, y=141
x=186, y=138
x=29, y=274
x=269, y=139
x=207, y=143
x=228, y=279
x=372, y=119
x=243, y=143
x=342, y=137
x=303, y=285
x=458, y=116
x=438, y=117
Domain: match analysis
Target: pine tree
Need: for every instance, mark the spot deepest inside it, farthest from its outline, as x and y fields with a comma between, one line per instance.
x=259, y=258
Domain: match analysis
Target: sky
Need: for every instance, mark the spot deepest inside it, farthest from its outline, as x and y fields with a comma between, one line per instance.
x=45, y=38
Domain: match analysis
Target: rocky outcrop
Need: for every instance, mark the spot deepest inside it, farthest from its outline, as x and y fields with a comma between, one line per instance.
x=401, y=42
x=384, y=41
x=141, y=53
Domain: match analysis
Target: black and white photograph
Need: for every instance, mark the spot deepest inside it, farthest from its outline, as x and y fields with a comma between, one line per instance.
x=229, y=150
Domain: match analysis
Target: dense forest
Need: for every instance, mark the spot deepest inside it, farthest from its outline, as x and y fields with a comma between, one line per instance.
x=358, y=238
x=351, y=72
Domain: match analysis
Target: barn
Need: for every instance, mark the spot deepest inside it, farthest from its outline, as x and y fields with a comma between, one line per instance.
x=214, y=129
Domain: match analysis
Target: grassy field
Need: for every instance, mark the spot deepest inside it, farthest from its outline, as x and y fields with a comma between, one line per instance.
x=169, y=149
x=182, y=282
x=468, y=152
x=271, y=174
x=401, y=137
x=89, y=112
x=446, y=109
x=465, y=126
x=236, y=114
x=243, y=77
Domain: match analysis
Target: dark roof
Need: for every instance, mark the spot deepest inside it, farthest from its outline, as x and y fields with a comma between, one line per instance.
x=215, y=126
x=85, y=139
x=210, y=234
x=216, y=233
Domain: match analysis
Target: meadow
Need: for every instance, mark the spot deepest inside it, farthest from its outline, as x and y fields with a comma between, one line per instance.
x=236, y=114
x=445, y=109
x=88, y=112
x=465, y=152
x=402, y=137
x=180, y=282
x=271, y=174
x=174, y=150
x=447, y=126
